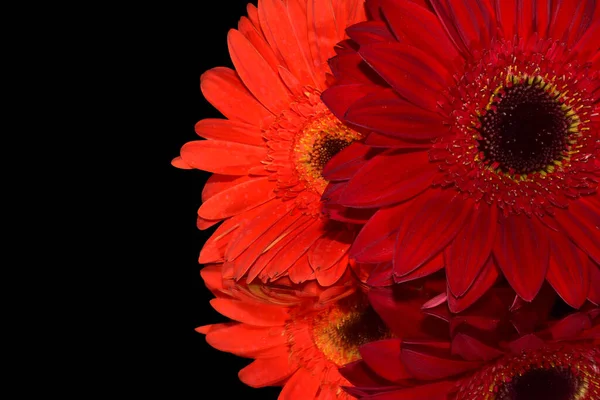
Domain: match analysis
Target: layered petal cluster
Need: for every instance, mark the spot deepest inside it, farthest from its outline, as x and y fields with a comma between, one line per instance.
x=299, y=335
x=266, y=156
x=486, y=354
x=482, y=148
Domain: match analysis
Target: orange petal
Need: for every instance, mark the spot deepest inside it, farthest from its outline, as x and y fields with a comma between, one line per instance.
x=217, y=183
x=178, y=162
x=259, y=78
x=220, y=157
x=267, y=371
x=230, y=131
x=322, y=36
x=256, y=314
x=246, y=341
x=238, y=199
x=302, y=385
x=223, y=88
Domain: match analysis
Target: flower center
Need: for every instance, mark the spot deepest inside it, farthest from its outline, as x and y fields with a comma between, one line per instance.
x=339, y=332
x=526, y=126
x=554, y=373
x=319, y=140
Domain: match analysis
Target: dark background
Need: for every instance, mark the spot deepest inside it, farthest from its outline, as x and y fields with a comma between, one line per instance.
x=199, y=42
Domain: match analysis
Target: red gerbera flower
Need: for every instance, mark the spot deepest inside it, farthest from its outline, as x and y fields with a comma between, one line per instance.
x=268, y=154
x=485, y=358
x=484, y=142
x=299, y=335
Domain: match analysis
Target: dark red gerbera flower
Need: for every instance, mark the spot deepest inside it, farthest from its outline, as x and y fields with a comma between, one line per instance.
x=483, y=119
x=485, y=357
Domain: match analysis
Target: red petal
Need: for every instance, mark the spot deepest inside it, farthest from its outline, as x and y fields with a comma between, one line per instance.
x=525, y=269
x=464, y=261
x=223, y=88
x=484, y=281
x=366, y=32
x=287, y=33
x=374, y=186
x=245, y=341
x=302, y=270
x=582, y=224
x=322, y=36
x=226, y=158
x=267, y=371
x=387, y=113
x=430, y=267
x=329, y=249
x=432, y=222
x=252, y=314
x=413, y=24
x=594, y=294
x=178, y=162
x=254, y=35
x=416, y=76
x=432, y=391
x=473, y=350
x=386, y=142
x=570, y=20
x=571, y=326
x=217, y=183
x=230, y=131
x=340, y=97
x=347, y=162
x=302, y=385
x=469, y=23
x=431, y=366
x=238, y=199
x=568, y=272
x=259, y=78
x=327, y=277
x=383, y=357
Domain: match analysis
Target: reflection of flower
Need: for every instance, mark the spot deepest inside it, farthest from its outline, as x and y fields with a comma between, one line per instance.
x=485, y=357
x=268, y=154
x=483, y=153
x=298, y=335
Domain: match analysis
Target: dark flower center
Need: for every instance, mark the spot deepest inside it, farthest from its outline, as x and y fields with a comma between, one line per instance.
x=324, y=149
x=525, y=128
x=549, y=384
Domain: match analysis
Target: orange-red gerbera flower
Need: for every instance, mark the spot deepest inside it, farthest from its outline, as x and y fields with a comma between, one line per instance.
x=268, y=154
x=298, y=334
x=485, y=358
x=483, y=147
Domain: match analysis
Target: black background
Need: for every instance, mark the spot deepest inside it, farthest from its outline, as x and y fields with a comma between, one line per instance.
x=198, y=42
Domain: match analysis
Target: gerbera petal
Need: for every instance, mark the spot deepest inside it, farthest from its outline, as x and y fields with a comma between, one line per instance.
x=570, y=20
x=178, y=162
x=412, y=73
x=431, y=266
x=244, y=340
x=283, y=30
x=485, y=280
x=217, y=183
x=259, y=78
x=469, y=23
x=588, y=44
x=594, y=293
x=302, y=385
x=339, y=98
x=329, y=276
x=330, y=249
x=423, y=363
x=302, y=270
x=388, y=142
x=416, y=25
x=231, y=131
x=227, y=158
x=432, y=391
x=387, y=113
x=568, y=271
x=463, y=260
x=252, y=314
x=375, y=186
x=223, y=88
x=383, y=357
x=366, y=32
x=322, y=36
x=237, y=199
x=582, y=224
x=473, y=350
x=254, y=228
x=345, y=164
x=254, y=35
x=431, y=223
x=267, y=371
x=522, y=251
